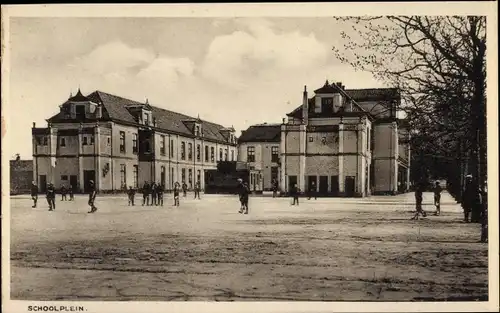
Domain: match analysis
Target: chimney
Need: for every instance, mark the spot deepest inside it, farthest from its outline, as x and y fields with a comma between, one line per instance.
x=305, y=107
x=34, y=125
x=283, y=121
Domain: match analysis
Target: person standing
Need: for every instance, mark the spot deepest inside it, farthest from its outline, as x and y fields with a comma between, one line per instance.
x=71, y=195
x=294, y=192
x=145, y=194
x=312, y=191
x=184, y=189
x=176, y=194
x=153, y=189
x=197, y=189
x=34, y=193
x=240, y=190
x=131, y=196
x=160, y=189
x=419, y=192
x=437, y=198
x=92, y=196
x=470, y=200
x=63, y=193
x=51, y=197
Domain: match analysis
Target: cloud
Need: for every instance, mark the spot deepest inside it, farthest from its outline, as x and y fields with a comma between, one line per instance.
x=258, y=50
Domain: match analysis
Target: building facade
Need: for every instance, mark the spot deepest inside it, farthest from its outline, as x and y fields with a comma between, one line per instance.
x=348, y=142
x=117, y=142
x=259, y=147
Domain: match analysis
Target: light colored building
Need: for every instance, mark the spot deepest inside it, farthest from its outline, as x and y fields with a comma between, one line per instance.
x=349, y=142
x=259, y=147
x=119, y=142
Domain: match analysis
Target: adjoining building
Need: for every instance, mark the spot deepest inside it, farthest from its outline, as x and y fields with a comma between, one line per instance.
x=117, y=142
x=349, y=142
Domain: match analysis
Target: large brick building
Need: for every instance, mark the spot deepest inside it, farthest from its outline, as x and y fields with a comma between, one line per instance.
x=350, y=142
x=119, y=142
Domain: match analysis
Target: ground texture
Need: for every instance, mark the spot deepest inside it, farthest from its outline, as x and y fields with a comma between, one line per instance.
x=325, y=249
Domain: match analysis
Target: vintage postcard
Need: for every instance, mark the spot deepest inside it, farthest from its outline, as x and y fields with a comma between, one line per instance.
x=300, y=157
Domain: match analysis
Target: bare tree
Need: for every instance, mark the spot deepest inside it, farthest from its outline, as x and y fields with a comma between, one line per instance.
x=439, y=64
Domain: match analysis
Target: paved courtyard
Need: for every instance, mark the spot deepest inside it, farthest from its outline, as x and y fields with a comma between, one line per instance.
x=324, y=249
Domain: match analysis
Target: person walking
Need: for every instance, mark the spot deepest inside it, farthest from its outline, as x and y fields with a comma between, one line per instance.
x=63, y=193
x=312, y=191
x=419, y=191
x=145, y=194
x=176, y=194
x=34, y=193
x=92, y=196
x=197, y=189
x=51, y=197
x=131, y=196
x=437, y=198
x=184, y=189
x=244, y=198
x=294, y=192
x=240, y=190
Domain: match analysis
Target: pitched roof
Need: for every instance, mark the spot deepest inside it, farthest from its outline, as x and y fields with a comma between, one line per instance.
x=115, y=109
x=261, y=133
x=358, y=95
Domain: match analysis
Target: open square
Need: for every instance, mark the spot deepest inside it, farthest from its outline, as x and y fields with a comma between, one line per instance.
x=329, y=249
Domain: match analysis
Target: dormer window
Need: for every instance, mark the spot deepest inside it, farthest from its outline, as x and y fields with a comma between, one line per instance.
x=80, y=111
x=146, y=119
x=326, y=105
x=197, y=129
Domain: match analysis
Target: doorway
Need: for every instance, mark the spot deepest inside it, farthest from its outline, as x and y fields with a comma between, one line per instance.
x=73, y=181
x=292, y=181
x=335, y=186
x=87, y=177
x=43, y=183
x=350, y=186
x=323, y=185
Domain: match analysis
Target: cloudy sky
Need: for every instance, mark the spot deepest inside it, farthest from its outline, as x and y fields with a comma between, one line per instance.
x=230, y=71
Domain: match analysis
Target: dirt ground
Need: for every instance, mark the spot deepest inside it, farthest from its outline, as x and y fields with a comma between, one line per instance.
x=325, y=249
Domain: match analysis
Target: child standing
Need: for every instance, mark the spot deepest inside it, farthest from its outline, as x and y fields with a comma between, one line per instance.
x=437, y=198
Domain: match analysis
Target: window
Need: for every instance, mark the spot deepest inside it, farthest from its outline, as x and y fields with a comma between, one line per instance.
x=198, y=152
x=136, y=176
x=251, y=154
x=197, y=130
x=146, y=119
x=85, y=141
x=122, y=142
x=311, y=139
x=147, y=146
x=326, y=105
x=198, y=176
x=162, y=176
x=232, y=155
x=225, y=155
x=123, y=175
x=368, y=139
x=183, y=175
x=274, y=154
x=206, y=153
x=212, y=154
x=109, y=141
x=64, y=177
x=80, y=111
x=134, y=144
x=220, y=154
x=183, y=150
x=62, y=142
x=190, y=151
x=92, y=139
x=45, y=140
x=190, y=178
x=171, y=148
x=162, y=145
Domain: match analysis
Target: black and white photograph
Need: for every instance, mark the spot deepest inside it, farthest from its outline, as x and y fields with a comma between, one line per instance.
x=250, y=157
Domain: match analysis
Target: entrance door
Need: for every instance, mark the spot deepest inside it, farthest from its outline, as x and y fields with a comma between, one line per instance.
x=292, y=180
x=350, y=186
x=43, y=183
x=87, y=177
x=323, y=185
x=73, y=181
x=335, y=186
